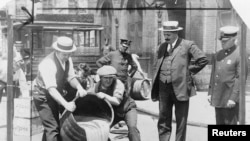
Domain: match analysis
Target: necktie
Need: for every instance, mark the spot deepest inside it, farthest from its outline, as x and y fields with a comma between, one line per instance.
x=170, y=48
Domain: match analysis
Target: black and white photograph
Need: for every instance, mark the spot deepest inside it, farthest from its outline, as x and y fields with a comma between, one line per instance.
x=124, y=70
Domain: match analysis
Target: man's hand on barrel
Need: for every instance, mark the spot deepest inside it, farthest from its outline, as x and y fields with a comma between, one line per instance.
x=80, y=91
x=100, y=95
x=70, y=106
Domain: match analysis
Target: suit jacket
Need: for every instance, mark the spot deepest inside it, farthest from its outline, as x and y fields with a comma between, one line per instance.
x=181, y=68
x=224, y=81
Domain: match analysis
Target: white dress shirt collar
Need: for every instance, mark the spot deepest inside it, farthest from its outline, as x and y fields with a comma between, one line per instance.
x=173, y=44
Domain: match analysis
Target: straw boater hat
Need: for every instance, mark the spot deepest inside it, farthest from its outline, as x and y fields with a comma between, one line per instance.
x=228, y=31
x=106, y=70
x=170, y=26
x=64, y=44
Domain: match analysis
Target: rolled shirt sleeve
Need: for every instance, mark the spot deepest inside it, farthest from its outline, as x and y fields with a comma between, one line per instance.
x=48, y=70
x=119, y=90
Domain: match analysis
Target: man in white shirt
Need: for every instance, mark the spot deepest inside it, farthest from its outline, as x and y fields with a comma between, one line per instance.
x=54, y=71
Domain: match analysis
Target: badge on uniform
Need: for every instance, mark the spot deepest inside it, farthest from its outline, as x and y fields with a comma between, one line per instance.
x=229, y=62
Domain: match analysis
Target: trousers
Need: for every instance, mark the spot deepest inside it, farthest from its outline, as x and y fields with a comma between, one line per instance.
x=130, y=119
x=227, y=116
x=167, y=100
x=48, y=110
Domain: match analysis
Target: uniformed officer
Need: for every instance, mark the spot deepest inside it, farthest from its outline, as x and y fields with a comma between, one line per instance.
x=120, y=60
x=224, y=82
x=112, y=89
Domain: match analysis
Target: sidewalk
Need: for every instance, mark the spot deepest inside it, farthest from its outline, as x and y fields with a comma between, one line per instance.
x=200, y=111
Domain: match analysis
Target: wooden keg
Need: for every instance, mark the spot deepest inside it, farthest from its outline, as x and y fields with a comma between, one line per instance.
x=141, y=89
x=89, y=122
x=202, y=78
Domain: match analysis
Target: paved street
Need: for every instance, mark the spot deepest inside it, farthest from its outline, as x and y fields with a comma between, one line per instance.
x=200, y=114
x=147, y=126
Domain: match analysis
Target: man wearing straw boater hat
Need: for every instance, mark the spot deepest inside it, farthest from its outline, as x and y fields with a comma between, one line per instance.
x=112, y=89
x=172, y=82
x=223, y=92
x=53, y=72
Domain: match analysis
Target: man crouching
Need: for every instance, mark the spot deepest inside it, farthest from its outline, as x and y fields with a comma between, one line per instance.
x=113, y=90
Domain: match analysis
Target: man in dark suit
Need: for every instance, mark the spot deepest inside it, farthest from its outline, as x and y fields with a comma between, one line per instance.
x=172, y=82
x=224, y=83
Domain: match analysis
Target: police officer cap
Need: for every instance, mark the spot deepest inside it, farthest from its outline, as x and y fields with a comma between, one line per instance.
x=228, y=31
x=106, y=70
x=125, y=42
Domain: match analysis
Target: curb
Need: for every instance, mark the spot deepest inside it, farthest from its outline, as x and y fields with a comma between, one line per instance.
x=190, y=123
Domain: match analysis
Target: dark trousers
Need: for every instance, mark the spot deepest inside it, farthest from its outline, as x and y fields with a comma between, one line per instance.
x=127, y=81
x=167, y=100
x=49, y=113
x=130, y=119
x=227, y=116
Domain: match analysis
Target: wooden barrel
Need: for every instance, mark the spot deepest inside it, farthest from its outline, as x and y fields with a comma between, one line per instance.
x=141, y=89
x=202, y=78
x=89, y=122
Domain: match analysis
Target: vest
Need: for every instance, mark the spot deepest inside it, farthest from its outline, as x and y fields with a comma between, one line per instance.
x=165, y=69
x=61, y=75
x=126, y=104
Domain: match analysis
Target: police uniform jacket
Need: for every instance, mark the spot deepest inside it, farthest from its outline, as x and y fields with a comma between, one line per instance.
x=120, y=61
x=224, y=81
x=181, y=68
